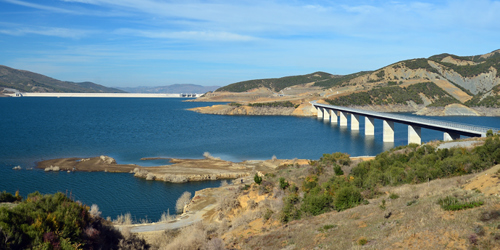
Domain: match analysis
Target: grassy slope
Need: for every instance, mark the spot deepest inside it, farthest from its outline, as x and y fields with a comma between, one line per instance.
x=276, y=84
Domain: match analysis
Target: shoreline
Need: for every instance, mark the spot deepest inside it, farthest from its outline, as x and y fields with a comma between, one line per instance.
x=115, y=95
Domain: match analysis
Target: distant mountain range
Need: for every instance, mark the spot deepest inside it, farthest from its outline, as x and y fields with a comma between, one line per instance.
x=174, y=88
x=26, y=81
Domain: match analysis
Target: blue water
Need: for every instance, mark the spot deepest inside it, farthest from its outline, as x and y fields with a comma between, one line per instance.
x=127, y=129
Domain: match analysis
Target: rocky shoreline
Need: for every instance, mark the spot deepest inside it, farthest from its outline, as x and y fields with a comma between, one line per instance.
x=308, y=110
x=181, y=170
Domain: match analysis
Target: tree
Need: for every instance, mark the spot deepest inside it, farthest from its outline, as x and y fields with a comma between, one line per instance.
x=182, y=201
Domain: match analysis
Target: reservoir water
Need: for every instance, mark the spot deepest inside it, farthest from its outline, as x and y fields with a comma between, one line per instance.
x=128, y=129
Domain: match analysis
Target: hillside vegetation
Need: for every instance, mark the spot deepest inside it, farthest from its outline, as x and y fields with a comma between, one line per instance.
x=54, y=221
x=276, y=84
x=401, y=199
x=397, y=95
x=26, y=81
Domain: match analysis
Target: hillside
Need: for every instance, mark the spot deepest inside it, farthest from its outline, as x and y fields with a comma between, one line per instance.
x=442, y=84
x=174, y=88
x=277, y=84
x=26, y=81
x=432, y=196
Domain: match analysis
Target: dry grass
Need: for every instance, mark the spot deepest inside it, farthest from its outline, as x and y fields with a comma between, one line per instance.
x=124, y=219
x=420, y=225
x=166, y=217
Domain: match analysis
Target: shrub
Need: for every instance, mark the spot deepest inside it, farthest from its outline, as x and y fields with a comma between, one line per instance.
x=450, y=203
x=338, y=170
x=316, y=202
x=290, y=211
x=362, y=241
x=54, y=221
x=393, y=196
x=347, y=197
x=182, y=201
x=7, y=197
x=283, y=183
x=326, y=227
x=257, y=179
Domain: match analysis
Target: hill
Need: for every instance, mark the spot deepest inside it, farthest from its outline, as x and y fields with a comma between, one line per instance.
x=426, y=85
x=431, y=196
x=27, y=81
x=174, y=88
x=277, y=84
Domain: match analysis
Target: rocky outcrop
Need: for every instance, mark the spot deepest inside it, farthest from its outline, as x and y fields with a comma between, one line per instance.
x=107, y=160
x=480, y=83
x=52, y=168
x=243, y=110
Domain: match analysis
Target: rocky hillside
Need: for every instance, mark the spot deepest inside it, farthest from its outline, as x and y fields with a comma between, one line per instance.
x=438, y=85
x=470, y=80
x=27, y=81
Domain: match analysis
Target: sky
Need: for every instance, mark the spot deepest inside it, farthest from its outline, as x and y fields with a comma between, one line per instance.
x=128, y=43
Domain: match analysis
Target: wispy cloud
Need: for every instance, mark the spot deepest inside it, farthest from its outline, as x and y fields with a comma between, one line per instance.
x=47, y=31
x=188, y=35
x=40, y=7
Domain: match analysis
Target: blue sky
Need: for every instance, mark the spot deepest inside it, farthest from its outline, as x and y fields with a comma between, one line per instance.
x=160, y=42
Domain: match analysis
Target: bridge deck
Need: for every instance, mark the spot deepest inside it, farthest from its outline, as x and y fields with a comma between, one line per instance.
x=445, y=126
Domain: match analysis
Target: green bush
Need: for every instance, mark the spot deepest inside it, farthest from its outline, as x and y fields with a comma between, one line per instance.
x=53, y=222
x=283, y=183
x=450, y=203
x=347, y=197
x=316, y=202
x=393, y=196
x=7, y=197
x=257, y=179
x=338, y=170
x=290, y=210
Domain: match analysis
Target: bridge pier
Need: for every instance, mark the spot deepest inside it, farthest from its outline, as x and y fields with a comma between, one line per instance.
x=334, y=116
x=326, y=115
x=369, y=126
x=414, y=134
x=388, y=131
x=354, y=122
x=343, y=119
x=320, y=112
x=449, y=136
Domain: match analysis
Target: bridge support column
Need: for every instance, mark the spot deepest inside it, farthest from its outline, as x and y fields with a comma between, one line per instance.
x=354, y=122
x=334, y=116
x=369, y=126
x=388, y=131
x=343, y=119
x=326, y=115
x=414, y=134
x=320, y=112
x=448, y=136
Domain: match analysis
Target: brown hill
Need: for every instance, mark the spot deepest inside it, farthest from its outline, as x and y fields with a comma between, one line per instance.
x=27, y=81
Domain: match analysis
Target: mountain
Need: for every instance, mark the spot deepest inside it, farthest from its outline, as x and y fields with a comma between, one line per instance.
x=174, y=88
x=27, y=81
x=436, y=81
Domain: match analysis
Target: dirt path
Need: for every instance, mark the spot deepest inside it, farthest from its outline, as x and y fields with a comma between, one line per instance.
x=183, y=221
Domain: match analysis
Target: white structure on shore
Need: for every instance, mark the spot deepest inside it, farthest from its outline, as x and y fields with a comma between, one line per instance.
x=122, y=95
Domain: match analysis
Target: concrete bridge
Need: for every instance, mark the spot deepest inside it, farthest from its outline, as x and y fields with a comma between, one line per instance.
x=451, y=130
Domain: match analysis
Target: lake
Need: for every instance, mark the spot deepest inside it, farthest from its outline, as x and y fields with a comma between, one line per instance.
x=128, y=129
